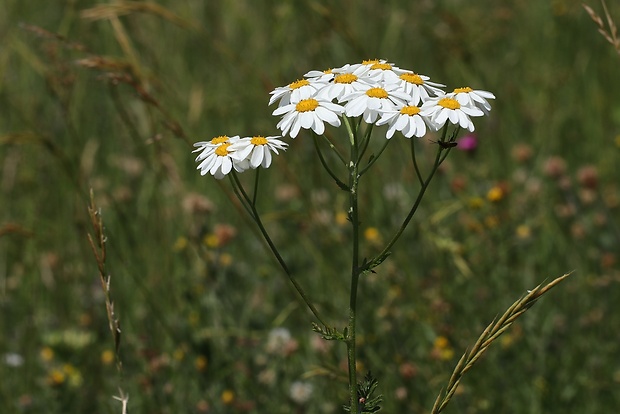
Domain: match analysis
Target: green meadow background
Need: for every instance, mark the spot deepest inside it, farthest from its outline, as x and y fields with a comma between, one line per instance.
x=110, y=95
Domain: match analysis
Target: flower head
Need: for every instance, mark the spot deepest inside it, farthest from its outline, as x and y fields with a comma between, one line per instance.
x=373, y=100
x=379, y=70
x=322, y=76
x=215, y=156
x=477, y=98
x=310, y=113
x=445, y=107
x=404, y=118
x=293, y=92
x=256, y=151
x=419, y=87
x=346, y=80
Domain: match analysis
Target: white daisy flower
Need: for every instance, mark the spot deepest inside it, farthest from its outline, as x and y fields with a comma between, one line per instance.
x=308, y=113
x=215, y=157
x=477, y=98
x=207, y=148
x=372, y=101
x=381, y=71
x=446, y=107
x=404, y=118
x=256, y=151
x=419, y=87
x=294, y=92
x=347, y=79
x=321, y=76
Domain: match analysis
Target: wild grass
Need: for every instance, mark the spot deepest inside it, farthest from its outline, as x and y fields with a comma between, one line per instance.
x=109, y=96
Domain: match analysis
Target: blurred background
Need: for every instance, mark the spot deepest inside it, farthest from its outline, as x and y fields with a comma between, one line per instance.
x=110, y=96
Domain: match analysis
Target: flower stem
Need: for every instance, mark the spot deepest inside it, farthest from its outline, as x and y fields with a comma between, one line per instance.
x=425, y=183
x=355, y=272
x=251, y=204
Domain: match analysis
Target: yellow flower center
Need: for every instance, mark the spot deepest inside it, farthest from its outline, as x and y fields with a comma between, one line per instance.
x=219, y=140
x=410, y=110
x=412, y=78
x=370, y=62
x=328, y=71
x=259, y=140
x=345, y=78
x=377, y=93
x=299, y=83
x=466, y=89
x=306, y=105
x=222, y=150
x=449, y=103
x=382, y=66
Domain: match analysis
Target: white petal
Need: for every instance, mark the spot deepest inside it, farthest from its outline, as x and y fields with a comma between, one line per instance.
x=226, y=165
x=257, y=156
x=401, y=122
x=319, y=127
x=295, y=129
x=306, y=119
x=327, y=116
x=283, y=109
x=267, y=160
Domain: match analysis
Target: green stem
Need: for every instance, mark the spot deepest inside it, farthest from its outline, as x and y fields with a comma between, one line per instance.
x=355, y=274
x=375, y=158
x=425, y=183
x=365, y=141
x=245, y=199
x=333, y=148
x=415, y=163
x=324, y=163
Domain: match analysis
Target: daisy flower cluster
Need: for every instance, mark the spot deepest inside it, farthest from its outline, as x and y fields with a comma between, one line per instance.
x=375, y=90
x=382, y=94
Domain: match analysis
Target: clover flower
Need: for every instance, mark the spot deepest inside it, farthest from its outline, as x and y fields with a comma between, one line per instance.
x=403, y=118
x=256, y=151
x=445, y=108
x=310, y=113
x=215, y=156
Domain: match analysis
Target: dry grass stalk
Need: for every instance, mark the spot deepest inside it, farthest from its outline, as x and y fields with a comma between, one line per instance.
x=490, y=334
x=122, y=8
x=611, y=34
x=98, y=246
x=46, y=34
